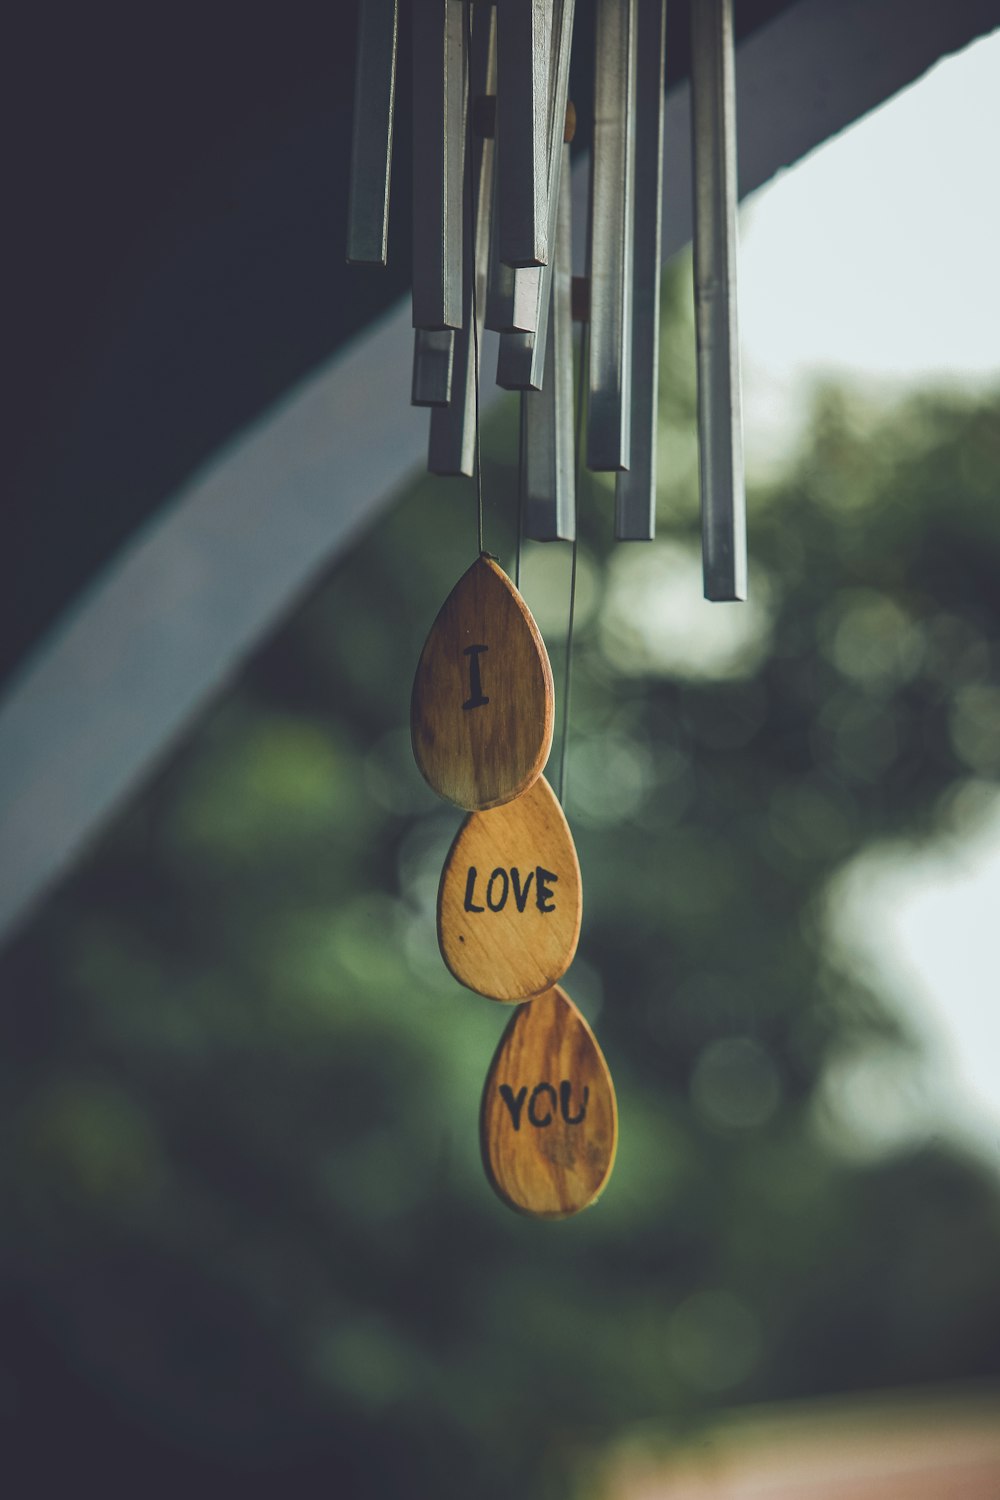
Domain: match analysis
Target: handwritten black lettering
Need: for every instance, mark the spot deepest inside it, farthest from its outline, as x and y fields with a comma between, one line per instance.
x=501, y=885
x=470, y=890
x=544, y=894
x=476, y=698
x=565, y=1093
x=521, y=891
x=541, y=1088
x=514, y=1102
x=499, y=904
x=536, y=1103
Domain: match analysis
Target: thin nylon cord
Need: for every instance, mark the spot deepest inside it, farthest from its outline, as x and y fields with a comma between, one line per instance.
x=580, y=396
x=479, y=454
x=471, y=224
x=521, y=433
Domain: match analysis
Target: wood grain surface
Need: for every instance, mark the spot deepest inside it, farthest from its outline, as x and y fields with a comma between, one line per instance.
x=549, y=1119
x=482, y=708
x=510, y=899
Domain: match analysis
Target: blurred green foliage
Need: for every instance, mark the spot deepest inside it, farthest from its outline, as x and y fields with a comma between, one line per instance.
x=246, y=1239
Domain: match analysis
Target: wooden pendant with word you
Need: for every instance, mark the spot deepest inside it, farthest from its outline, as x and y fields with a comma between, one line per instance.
x=549, y=1119
x=482, y=708
x=510, y=899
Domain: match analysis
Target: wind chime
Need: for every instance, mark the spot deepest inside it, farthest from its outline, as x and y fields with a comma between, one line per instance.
x=492, y=122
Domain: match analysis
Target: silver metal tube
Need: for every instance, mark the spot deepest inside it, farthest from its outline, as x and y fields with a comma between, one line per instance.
x=635, y=487
x=549, y=478
x=439, y=104
x=452, y=444
x=512, y=297
x=511, y=294
x=610, y=259
x=521, y=362
x=371, y=138
x=524, y=36
x=433, y=358
x=521, y=359
x=720, y=420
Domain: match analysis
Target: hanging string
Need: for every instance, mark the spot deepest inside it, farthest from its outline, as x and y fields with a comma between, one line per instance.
x=472, y=270
x=580, y=397
x=521, y=481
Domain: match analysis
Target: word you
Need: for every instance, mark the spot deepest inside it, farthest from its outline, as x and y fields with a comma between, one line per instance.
x=541, y=1094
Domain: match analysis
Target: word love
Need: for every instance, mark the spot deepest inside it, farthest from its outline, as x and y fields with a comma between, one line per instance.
x=540, y=1112
x=511, y=933
x=498, y=887
x=548, y=1150
x=482, y=707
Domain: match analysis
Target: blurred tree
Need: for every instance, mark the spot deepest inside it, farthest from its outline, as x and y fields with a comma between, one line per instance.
x=246, y=1240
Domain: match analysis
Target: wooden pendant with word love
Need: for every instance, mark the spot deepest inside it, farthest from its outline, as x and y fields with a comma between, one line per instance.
x=510, y=898
x=549, y=1119
x=482, y=708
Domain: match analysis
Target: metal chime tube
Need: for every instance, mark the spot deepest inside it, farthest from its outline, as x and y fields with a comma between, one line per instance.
x=524, y=35
x=511, y=297
x=521, y=364
x=371, y=140
x=439, y=102
x=610, y=256
x=452, y=443
x=549, y=471
x=635, y=487
x=433, y=359
x=511, y=292
x=720, y=423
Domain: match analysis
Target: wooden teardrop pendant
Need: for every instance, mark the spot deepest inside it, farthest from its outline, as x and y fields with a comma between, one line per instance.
x=549, y=1119
x=510, y=899
x=482, y=708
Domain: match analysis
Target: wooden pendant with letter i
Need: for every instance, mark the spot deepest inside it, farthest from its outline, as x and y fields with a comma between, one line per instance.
x=549, y=1118
x=482, y=711
x=510, y=899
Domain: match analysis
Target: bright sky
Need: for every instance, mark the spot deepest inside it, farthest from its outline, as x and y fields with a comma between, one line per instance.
x=879, y=256
x=880, y=253
x=928, y=922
